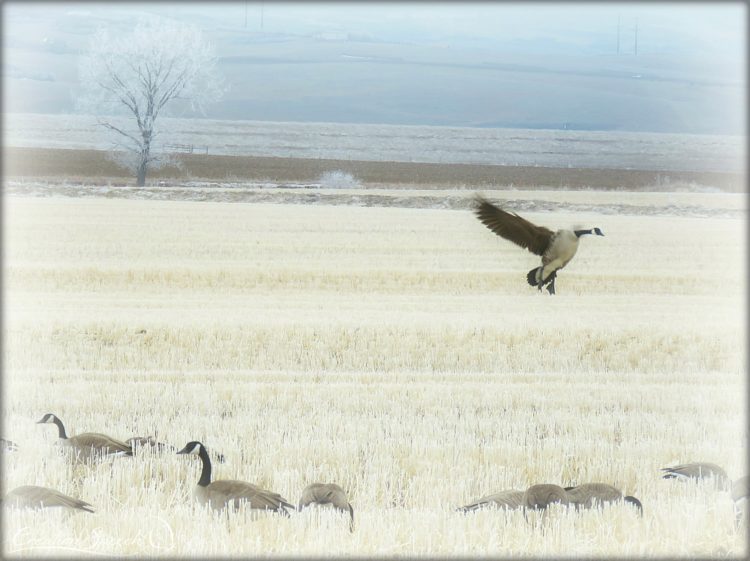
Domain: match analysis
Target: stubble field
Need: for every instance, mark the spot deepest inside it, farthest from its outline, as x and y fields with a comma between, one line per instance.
x=396, y=351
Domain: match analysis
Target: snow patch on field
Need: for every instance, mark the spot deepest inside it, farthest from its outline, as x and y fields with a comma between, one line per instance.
x=691, y=204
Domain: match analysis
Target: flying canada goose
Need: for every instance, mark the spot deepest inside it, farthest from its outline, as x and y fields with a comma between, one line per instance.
x=327, y=494
x=699, y=470
x=31, y=496
x=150, y=443
x=8, y=445
x=88, y=445
x=229, y=493
x=589, y=495
x=508, y=500
x=555, y=248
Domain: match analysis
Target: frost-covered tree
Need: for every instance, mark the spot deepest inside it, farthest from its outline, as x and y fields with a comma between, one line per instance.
x=160, y=65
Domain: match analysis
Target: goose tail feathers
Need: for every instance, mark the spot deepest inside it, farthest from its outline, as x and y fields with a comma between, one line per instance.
x=531, y=276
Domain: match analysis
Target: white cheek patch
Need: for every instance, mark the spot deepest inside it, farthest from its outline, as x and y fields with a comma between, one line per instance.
x=196, y=450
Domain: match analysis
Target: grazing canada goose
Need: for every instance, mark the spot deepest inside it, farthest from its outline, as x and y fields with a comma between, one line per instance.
x=229, y=493
x=327, y=494
x=150, y=443
x=508, y=500
x=31, y=496
x=741, y=498
x=88, y=445
x=539, y=497
x=698, y=470
x=555, y=248
x=588, y=495
x=8, y=445
x=741, y=488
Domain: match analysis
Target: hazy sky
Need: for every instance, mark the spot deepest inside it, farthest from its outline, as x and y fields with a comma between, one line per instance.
x=456, y=63
x=711, y=28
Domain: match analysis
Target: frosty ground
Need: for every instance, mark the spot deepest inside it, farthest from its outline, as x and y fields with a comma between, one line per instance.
x=393, y=348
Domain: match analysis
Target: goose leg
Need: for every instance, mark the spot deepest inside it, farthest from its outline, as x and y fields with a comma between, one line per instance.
x=551, y=285
x=541, y=279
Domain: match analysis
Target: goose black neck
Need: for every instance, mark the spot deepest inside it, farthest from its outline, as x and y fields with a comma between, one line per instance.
x=206, y=472
x=60, y=428
x=580, y=233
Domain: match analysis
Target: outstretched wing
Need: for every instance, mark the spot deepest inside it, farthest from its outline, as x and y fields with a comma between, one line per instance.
x=512, y=227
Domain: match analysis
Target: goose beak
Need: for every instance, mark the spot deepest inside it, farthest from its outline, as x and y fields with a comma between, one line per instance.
x=183, y=451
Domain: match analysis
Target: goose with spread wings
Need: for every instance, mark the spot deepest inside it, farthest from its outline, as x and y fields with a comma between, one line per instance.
x=555, y=248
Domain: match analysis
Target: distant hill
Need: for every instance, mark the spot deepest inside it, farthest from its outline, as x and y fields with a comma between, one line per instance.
x=342, y=77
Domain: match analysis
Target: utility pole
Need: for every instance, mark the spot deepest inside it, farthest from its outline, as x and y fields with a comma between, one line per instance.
x=618, y=35
x=636, y=36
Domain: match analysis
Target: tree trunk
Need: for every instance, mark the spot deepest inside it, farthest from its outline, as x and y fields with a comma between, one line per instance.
x=143, y=160
x=141, y=177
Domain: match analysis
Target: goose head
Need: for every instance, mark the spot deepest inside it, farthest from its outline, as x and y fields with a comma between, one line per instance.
x=48, y=418
x=193, y=447
x=594, y=231
x=635, y=502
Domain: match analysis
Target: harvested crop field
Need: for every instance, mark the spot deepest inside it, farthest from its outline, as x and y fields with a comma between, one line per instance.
x=396, y=350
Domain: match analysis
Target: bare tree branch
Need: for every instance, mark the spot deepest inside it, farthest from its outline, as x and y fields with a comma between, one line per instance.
x=142, y=73
x=110, y=126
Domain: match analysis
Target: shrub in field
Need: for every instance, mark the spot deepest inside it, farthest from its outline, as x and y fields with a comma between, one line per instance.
x=338, y=179
x=128, y=160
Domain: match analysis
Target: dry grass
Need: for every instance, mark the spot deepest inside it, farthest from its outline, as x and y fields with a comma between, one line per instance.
x=397, y=352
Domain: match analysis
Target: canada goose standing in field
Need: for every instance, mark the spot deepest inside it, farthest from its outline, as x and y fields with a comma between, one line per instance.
x=698, y=470
x=589, y=495
x=32, y=496
x=509, y=499
x=8, y=445
x=230, y=493
x=327, y=494
x=88, y=445
x=555, y=248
